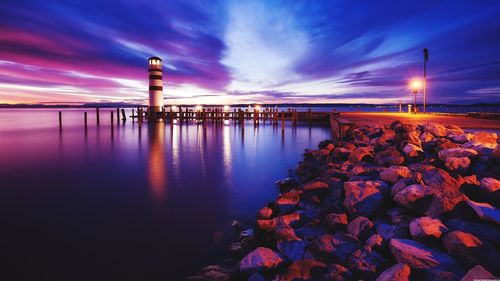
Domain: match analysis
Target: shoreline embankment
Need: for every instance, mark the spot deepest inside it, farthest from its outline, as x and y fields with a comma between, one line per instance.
x=408, y=200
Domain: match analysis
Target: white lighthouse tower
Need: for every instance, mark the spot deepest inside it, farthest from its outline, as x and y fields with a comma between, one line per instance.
x=155, y=68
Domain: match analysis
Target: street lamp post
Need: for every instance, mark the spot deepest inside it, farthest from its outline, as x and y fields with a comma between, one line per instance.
x=415, y=85
x=426, y=58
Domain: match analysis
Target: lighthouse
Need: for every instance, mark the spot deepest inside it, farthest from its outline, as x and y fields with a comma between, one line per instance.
x=155, y=84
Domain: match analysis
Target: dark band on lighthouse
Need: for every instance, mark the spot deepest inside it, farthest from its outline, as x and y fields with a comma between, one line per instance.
x=155, y=68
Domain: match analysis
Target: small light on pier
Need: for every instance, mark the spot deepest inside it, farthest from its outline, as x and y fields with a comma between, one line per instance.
x=415, y=85
x=257, y=107
x=226, y=122
x=198, y=108
x=226, y=107
x=174, y=108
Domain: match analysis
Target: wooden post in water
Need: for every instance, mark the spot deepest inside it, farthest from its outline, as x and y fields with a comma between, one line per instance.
x=124, y=118
x=171, y=116
x=118, y=115
x=97, y=115
x=282, y=120
x=112, y=113
x=60, y=119
x=85, y=119
x=139, y=111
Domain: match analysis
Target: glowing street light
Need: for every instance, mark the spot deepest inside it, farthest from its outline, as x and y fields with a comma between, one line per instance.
x=415, y=85
x=257, y=107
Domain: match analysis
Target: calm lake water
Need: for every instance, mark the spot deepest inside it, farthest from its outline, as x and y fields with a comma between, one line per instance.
x=130, y=201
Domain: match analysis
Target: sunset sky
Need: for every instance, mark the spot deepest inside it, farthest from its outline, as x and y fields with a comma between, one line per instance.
x=248, y=51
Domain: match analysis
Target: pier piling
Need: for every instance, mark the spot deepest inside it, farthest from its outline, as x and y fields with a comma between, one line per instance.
x=282, y=120
x=85, y=119
x=97, y=115
x=124, y=118
x=60, y=119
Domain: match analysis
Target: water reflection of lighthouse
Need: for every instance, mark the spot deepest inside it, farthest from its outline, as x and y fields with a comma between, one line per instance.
x=157, y=169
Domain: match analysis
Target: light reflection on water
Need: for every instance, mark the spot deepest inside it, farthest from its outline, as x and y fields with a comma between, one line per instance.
x=131, y=201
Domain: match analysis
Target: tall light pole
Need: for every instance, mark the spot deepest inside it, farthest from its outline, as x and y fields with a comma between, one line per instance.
x=426, y=58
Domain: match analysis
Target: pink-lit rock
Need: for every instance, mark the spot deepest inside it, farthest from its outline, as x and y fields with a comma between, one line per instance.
x=260, y=259
x=485, y=211
x=395, y=173
x=397, y=272
x=426, y=227
x=490, y=184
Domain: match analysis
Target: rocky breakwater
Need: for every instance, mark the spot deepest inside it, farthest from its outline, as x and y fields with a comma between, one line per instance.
x=401, y=202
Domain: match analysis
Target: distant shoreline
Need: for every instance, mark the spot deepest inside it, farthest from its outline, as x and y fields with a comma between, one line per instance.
x=127, y=105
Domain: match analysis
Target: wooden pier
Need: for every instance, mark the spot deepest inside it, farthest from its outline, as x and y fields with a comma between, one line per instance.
x=340, y=123
x=219, y=115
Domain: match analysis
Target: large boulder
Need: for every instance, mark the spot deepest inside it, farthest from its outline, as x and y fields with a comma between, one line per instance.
x=438, y=178
x=478, y=273
x=337, y=247
x=337, y=272
x=471, y=251
x=360, y=227
x=265, y=213
x=390, y=231
x=453, y=130
x=361, y=154
x=287, y=202
x=266, y=225
x=306, y=269
x=487, y=139
x=426, y=227
x=366, y=263
x=481, y=230
x=315, y=186
x=462, y=138
x=411, y=150
x=336, y=221
x=395, y=173
x=458, y=164
x=397, y=272
x=311, y=231
x=437, y=130
x=389, y=156
x=363, y=198
x=293, y=250
x=485, y=211
x=326, y=144
x=490, y=184
x=416, y=197
x=456, y=152
x=341, y=153
x=425, y=258
x=376, y=241
x=399, y=216
x=260, y=259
